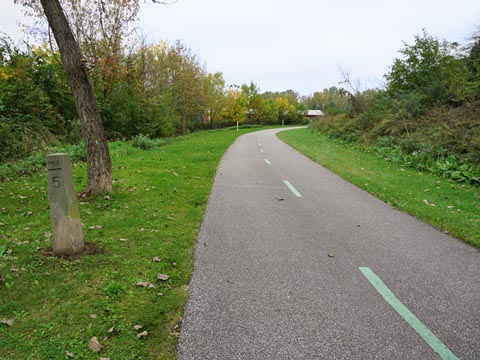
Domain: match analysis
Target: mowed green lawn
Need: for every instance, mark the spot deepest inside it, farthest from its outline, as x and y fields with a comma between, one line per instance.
x=146, y=227
x=451, y=207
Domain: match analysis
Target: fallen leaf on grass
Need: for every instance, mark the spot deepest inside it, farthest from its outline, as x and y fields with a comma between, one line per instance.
x=176, y=330
x=426, y=202
x=163, y=277
x=69, y=354
x=104, y=358
x=145, y=284
x=142, y=334
x=138, y=327
x=156, y=259
x=95, y=345
x=8, y=322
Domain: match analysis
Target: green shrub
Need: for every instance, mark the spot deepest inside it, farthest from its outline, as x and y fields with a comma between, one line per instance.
x=36, y=161
x=143, y=142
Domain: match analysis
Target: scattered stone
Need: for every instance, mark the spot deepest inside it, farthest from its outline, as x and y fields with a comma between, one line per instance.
x=106, y=197
x=138, y=327
x=69, y=354
x=332, y=255
x=156, y=259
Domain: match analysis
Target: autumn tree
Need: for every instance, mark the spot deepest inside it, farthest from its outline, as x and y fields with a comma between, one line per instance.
x=213, y=89
x=254, y=102
x=235, y=105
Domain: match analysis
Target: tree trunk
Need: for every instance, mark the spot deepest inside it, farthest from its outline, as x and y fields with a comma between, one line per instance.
x=99, y=166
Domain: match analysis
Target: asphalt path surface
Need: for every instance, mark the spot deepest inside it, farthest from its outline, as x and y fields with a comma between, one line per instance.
x=278, y=275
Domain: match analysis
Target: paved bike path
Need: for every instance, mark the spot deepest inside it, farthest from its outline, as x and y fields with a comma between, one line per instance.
x=278, y=262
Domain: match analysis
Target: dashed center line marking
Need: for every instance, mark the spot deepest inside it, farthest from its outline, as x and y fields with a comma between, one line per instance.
x=292, y=188
x=426, y=334
x=268, y=162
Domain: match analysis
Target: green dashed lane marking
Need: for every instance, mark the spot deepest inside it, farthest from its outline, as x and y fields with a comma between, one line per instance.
x=429, y=337
x=292, y=188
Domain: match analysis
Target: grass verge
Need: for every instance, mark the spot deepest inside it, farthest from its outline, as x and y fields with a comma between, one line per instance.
x=147, y=226
x=451, y=207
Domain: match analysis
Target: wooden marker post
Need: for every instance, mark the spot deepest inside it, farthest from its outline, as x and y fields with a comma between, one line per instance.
x=64, y=210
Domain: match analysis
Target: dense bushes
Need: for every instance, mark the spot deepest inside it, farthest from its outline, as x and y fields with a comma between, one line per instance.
x=427, y=117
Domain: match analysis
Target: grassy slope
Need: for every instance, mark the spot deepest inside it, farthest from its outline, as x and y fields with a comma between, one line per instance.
x=59, y=305
x=441, y=203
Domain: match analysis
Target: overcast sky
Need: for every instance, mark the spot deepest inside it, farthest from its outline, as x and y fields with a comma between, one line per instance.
x=299, y=45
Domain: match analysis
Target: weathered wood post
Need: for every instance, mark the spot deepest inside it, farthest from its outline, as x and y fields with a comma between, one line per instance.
x=64, y=210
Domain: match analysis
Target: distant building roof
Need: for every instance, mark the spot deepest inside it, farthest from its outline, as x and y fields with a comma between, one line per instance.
x=314, y=113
